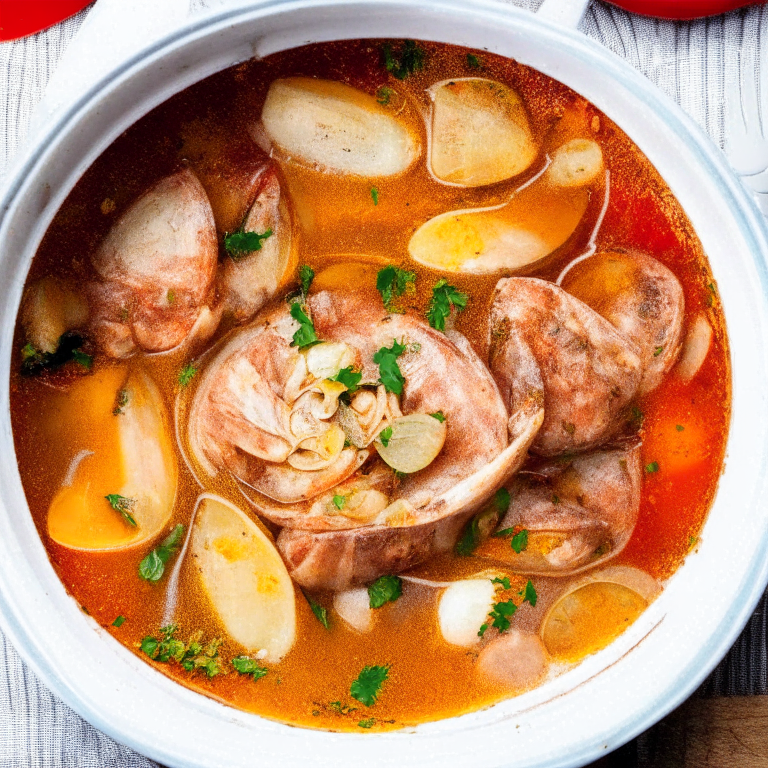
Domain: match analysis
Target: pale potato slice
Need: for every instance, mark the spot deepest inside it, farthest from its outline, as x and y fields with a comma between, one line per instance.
x=698, y=340
x=595, y=610
x=463, y=608
x=576, y=163
x=501, y=239
x=245, y=579
x=120, y=422
x=480, y=132
x=336, y=128
x=354, y=606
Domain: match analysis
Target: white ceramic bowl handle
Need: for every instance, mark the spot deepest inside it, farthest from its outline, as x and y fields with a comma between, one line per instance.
x=567, y=13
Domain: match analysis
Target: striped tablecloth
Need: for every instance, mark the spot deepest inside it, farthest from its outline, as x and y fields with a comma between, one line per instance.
x=686, y=60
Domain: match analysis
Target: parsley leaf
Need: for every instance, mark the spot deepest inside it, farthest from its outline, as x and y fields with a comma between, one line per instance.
x=409, y=60
x=658, y=351
x=349, y=377
x=520, y=541
x=119, y=621
x=504, y=581
x=501, y=613
x=321, y=613
x=385, y=436
x=367, y=687
x=34, y=362
x=473, y=62
x=186, y=374
x=305, y=336
x=80, y=357
x=191, y=655
x=389, y=371
x=339, y=501
x=502, y=500
x=652, y=467
x=306, y=276
x=341, y=709
x=439, y=415
x=367, y=723
x=386, y=589
x=152, y=567
x=679, y=427
x=375, y=195
x=122, y=505
x=384, y=95
x=240, y=244
x=529, y=594
x=392, y=281
x=489, y=518
x=248, y=666
x=444, y=297
x=120, y=402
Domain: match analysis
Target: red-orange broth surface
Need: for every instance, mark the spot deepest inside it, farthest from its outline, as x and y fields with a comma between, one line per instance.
x=683, y=425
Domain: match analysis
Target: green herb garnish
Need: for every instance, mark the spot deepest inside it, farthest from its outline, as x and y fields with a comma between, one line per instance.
x=339, y=501
x=501, y=613
x=306, y=276
x=444, y=297
x=375, y=195
x=367, y=687
x=389, y=371
x=679, y=427
x=409, y=60
x=529, y=594
x=519, y=541
x=392, y=281
x=439, y=415
x=384, y=95
x=386, y=589
x=152, y=567
x=367, y=723
x=652, y=467
x=385, y=436
x=240, y=244
x=119, y=621
x=473, y=62
x=186, y=374
x=122, y=505
x=192, y=655
x=349, y=377
x=80, y=357
x=248, y=666
x=120, y=402
x=503, y=581
x=305, y=336
x=321, y=613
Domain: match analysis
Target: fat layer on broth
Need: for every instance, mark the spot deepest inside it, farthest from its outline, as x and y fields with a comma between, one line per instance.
x=461, y=457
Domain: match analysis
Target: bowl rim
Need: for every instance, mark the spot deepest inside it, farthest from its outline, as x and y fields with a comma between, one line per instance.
x=751, y=225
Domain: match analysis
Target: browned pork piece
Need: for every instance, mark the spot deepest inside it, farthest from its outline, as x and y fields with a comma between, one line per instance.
x=274, y=417
x=642, y=298
x=156, y=270
x=577, y=513
x=548, y=344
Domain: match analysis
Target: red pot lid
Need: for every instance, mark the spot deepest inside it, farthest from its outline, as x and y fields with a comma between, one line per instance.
x=682, y=9
x=19, y=18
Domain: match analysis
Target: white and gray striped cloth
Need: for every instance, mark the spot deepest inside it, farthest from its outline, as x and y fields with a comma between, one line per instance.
x=684, y=59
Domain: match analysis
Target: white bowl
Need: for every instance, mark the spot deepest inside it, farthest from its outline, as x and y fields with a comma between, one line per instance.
x=613, y=695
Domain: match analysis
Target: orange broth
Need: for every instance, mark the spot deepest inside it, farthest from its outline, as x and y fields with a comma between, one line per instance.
x=429, y=679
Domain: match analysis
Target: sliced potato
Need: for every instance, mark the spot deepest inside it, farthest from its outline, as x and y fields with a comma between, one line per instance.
x=576, y=163
x=463, y=608
x=414, y=442
x=50, y=309
x=336, y=127
x=595, y=610
x=128, y=453
x=487, y=240
x=480, y=132
x=245, y=579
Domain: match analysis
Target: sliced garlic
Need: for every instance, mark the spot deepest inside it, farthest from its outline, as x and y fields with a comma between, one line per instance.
x=336, y=128
x=245, y=579
x=463, y=608
x=415, y=442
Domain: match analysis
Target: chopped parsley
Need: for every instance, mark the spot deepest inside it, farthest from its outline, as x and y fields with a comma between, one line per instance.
x=192, y=655
x=386, y=589
x=339, y=501
x=82, y=358
x=122, y=505
x=439, y=415
x=305, y=336
x=341, y=709
x=367, y=687
x=385, y=436
x=658, y=351
x=409, y=60
x=384, y=95
x=248, y=666
x=444, y=297
x=349, y=377
x=152, y=567
x=473, y=62
x=306, y=276
x=389, y=371
x=503, y=581
x=652, y=467
x=375, y=195
x=470, y=539
x=240, y=244
x=171, y=296
x=321, y=613
x=392, y=282
x=520, y=541
x=529, y=594
x=679, y=427
x=502, y=500
x=119, y=621
x=692, y=540
x=120, y=402
x=367, y=723
x=500, y=614
x=186, y=374
x=636, y=418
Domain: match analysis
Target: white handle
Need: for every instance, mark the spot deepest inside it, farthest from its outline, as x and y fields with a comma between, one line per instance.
x=566, y=13
x=112, y=31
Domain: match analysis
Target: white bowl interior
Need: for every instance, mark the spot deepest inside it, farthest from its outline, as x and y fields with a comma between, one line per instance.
x=577, y=717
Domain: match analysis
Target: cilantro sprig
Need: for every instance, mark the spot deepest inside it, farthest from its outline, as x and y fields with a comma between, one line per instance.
x=306, y=276
x=192, y=655
x=349, y=377
x=241, y=244
x=407, y=61
x=519, y=538
x=305, y=336
x=444, y=297
x=392, y=282
x=500, y=614
x=389, y=371
x=123, y=505
x=186, y=374
x=367, y=687
x=386, y=589
x=245, y=665
x=152, y=567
